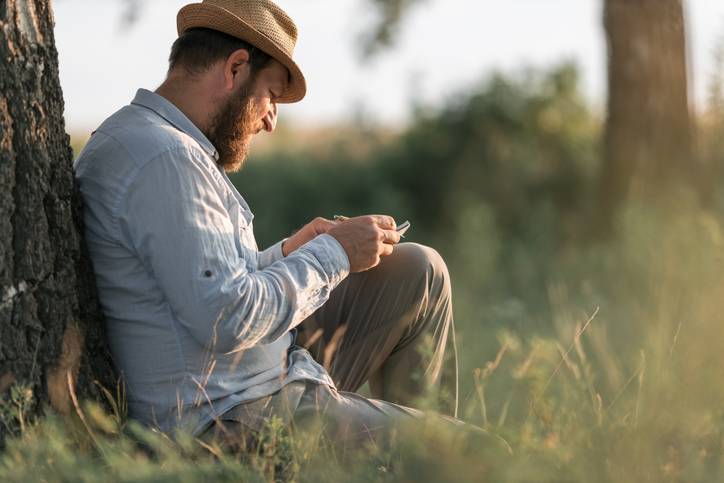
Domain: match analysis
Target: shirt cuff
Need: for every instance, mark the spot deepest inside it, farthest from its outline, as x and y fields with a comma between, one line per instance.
x=271, y=254
x=331, y=256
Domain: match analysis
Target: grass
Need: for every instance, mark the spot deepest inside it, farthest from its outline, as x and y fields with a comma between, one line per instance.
x=626, y=386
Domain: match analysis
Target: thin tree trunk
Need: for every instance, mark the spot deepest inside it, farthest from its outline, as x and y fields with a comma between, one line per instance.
x=50, y=325
x=648, y=139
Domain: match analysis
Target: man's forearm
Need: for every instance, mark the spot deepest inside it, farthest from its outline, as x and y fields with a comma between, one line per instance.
x=264, y=308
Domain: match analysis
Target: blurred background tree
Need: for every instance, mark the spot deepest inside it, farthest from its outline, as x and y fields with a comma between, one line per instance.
x=648, y=143
x=390, y=14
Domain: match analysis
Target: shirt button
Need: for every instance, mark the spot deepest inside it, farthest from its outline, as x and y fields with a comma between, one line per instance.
x=207, y=273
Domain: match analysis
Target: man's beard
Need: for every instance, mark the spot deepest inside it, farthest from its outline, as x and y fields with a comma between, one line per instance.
x=232, y=129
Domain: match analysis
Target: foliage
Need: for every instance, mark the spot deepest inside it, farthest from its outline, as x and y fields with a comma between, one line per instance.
x=390, y=16
x=16, y=408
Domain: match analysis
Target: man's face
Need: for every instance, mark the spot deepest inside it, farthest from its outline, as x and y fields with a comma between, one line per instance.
x=248, y=110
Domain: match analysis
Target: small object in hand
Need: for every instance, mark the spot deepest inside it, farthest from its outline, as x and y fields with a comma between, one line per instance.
x=401, y=229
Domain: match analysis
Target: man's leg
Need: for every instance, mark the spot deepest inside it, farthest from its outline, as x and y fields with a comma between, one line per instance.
x=351, y=421
x=377, y=323
x=238, y=429
x=347, y=420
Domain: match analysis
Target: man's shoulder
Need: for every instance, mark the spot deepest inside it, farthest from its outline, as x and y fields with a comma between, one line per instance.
x=134, y=135
x=124, y=145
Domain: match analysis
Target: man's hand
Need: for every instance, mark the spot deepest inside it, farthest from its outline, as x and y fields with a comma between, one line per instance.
x=308, y=232
x=365, y=239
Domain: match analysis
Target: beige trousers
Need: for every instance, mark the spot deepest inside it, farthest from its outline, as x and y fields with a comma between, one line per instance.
x=388, y=326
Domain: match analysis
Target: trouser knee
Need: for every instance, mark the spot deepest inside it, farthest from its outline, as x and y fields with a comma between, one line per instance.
x=423, y=262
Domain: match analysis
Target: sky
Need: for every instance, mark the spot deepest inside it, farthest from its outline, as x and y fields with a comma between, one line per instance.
x=444, y=48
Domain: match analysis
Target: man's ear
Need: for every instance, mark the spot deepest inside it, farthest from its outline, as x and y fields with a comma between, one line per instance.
x=236, y=69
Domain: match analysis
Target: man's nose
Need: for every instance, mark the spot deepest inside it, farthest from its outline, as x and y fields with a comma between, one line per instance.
x=270, y=120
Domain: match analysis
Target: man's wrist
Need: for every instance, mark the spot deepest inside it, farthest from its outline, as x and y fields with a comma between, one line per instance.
x=305, y=234
x=290, y=244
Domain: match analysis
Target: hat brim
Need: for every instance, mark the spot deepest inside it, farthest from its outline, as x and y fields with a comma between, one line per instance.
x=218, y=18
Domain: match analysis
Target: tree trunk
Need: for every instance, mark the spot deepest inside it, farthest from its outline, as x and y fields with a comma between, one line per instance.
x=51, y=335
x=648, y=138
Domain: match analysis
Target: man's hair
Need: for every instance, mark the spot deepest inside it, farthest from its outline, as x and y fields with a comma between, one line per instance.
x=197, y=49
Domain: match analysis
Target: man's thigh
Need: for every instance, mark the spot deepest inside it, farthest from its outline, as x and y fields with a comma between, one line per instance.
x=239, y=427
x=350, y=420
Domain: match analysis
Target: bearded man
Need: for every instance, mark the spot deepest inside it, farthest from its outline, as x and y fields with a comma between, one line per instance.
x=202, y=325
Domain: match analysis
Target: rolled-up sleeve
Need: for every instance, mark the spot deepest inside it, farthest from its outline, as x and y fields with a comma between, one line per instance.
x=173, y=217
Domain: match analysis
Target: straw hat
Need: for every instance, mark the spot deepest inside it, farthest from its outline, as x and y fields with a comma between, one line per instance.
x=261, y=23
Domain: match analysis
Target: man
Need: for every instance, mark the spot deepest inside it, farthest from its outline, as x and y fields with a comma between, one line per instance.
x=202, y=324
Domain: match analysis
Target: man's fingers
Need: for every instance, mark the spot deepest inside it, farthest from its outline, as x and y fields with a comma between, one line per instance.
x=322, y=221
x=384, y=221
x=387, y=250
x=322, y=225
x=390, y=237
x=326, y=225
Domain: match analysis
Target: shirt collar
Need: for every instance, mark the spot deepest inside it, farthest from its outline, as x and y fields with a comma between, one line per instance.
x=173, y=115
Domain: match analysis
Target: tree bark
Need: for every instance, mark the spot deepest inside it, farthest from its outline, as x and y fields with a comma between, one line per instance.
x=648, y=137
x=51, y=331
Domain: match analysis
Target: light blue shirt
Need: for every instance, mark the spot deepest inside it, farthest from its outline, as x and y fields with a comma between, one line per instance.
x=198, y=318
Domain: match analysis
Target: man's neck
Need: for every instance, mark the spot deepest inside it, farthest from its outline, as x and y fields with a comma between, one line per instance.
x=189, y=97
